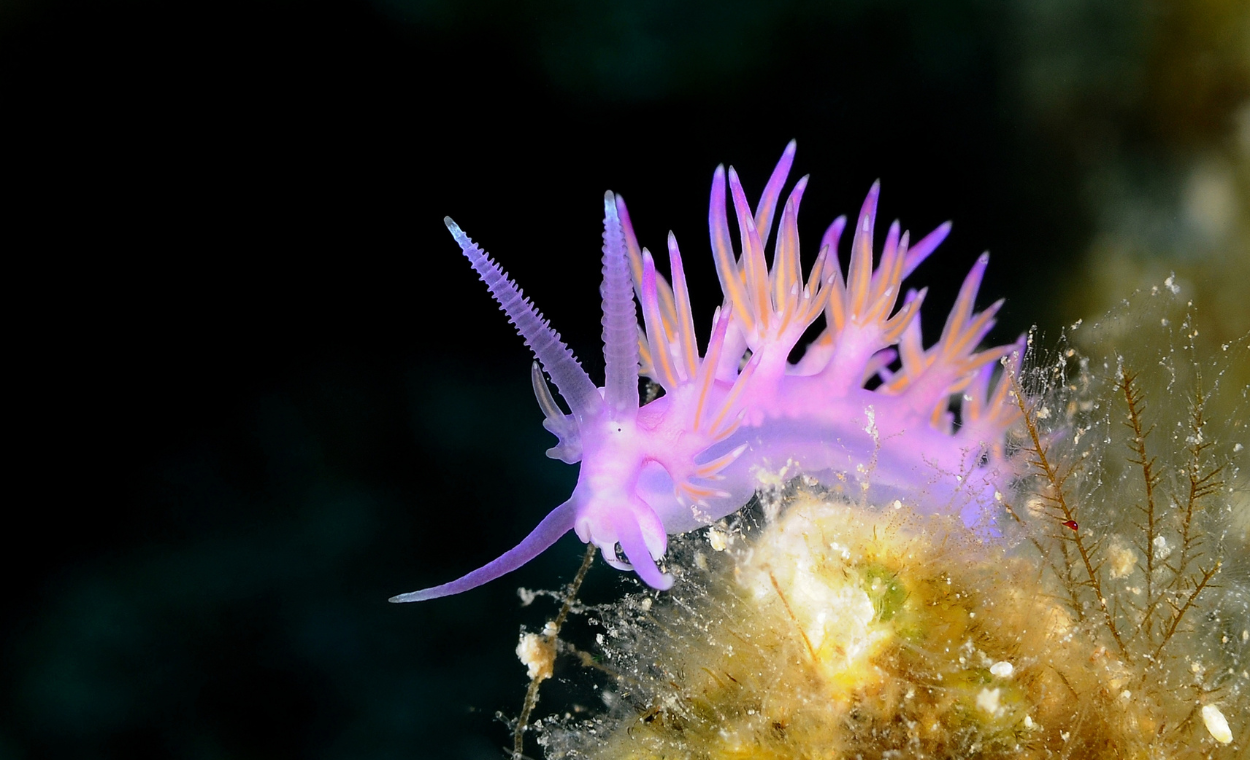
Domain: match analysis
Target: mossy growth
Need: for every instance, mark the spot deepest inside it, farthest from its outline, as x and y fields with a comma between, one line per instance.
x=832, y=635
x=1107, y=615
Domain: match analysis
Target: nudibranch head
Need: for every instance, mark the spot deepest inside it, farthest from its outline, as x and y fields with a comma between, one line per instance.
x=739, y=415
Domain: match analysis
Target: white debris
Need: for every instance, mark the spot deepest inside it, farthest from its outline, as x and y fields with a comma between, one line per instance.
x=1217, y=724
x=537, y=654
x=1123, y=559
x=717, y=539
x=987, y=700
x=1002, y=669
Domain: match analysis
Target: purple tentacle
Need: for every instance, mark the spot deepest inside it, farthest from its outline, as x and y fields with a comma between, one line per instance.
x=566, y=372
x=561, y=425
x=830, y=240
x=557, y=522
x=859, y=271
x=631, y=538
x=764, y=210
x=620, y=319
x=925, y=246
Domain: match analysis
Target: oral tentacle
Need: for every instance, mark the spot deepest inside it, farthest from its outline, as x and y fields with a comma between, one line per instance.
x=562, y=426
x=557, y=522
x=630, y=536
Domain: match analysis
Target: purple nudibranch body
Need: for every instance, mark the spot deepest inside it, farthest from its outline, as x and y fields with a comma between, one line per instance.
x=726, y=424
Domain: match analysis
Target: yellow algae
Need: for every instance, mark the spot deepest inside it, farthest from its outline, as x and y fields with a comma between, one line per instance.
x=1107, y=616
x=838, y=631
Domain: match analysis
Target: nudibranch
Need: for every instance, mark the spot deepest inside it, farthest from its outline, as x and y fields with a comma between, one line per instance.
x=867, y=408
